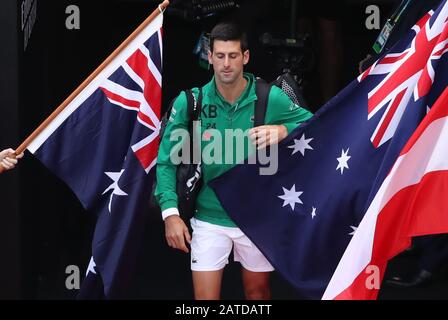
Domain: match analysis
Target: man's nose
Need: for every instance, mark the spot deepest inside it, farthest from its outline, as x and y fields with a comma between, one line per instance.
x=226, y=61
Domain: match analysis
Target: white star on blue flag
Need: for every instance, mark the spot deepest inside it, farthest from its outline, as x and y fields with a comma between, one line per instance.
x=291, y=197
x=115, y=176
x=301, y=145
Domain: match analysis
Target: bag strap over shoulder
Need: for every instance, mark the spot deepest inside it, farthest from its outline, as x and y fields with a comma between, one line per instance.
x=194, y=105
x=262, y=89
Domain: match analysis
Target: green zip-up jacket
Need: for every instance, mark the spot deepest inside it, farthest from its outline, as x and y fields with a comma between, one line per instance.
x=218, y=115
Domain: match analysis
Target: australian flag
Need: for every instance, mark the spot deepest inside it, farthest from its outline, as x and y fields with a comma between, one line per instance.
x=104, y=146
x=360, y=178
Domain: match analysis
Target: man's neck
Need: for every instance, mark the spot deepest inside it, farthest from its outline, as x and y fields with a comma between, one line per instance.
x=232, y=91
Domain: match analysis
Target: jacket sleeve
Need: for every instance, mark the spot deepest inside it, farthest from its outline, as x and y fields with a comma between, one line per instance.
x=281, y=110
x=165, y=192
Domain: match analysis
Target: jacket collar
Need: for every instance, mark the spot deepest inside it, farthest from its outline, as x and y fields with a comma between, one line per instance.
x=248, y=96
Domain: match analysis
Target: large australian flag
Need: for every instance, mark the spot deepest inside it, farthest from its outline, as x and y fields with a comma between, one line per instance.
x=104, y=146
x=334, y=212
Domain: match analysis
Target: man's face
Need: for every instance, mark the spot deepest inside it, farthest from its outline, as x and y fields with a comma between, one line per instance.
x=228, y=60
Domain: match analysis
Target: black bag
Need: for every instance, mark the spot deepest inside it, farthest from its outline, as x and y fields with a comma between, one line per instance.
x=188, y=175
x=289, y=85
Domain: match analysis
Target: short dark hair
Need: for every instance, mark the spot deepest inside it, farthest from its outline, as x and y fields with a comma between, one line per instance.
x=228, y=31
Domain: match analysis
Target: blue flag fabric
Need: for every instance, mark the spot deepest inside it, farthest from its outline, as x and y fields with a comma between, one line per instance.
x=104, y=146
x=330, y=168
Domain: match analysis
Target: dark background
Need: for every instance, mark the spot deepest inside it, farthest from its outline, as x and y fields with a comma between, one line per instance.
x=43, y=228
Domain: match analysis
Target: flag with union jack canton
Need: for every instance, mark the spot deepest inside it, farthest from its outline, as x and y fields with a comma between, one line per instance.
x=104, y=146
x=325, y=219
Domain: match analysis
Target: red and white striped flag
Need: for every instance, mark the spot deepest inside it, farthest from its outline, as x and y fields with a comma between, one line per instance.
x=412, y=201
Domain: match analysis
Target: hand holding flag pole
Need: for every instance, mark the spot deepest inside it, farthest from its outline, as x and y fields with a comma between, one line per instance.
x=89, y=79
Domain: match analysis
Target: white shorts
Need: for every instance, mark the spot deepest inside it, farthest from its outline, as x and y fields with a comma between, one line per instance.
x=211, y=246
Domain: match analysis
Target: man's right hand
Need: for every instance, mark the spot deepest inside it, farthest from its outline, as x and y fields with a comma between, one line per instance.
x=176, y=232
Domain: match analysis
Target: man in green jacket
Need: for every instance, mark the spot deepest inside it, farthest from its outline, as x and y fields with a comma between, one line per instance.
x=227, y=112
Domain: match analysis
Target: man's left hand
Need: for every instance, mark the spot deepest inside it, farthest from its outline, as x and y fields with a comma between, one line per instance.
x=266, y=135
